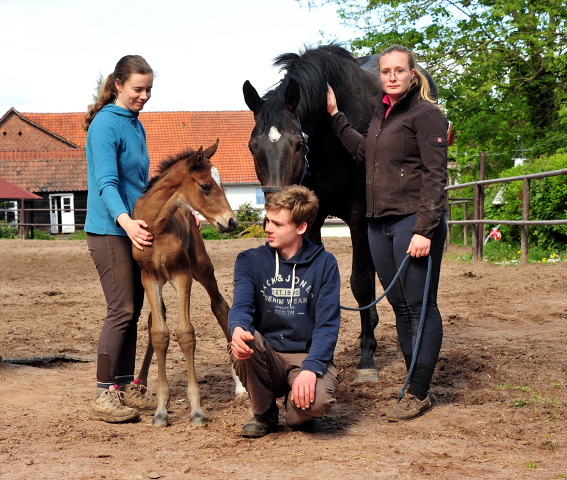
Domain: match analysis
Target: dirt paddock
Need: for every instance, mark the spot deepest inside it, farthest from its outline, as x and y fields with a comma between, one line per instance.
x=500, y=384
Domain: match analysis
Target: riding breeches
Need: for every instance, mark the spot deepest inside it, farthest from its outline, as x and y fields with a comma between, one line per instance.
x=389, y=239
x=121, y=282
x=268, y=375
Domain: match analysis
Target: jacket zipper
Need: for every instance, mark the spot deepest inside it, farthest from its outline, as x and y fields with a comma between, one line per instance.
x=404, y=188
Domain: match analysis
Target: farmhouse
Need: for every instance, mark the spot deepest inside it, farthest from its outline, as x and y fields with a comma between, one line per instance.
x=44, y=154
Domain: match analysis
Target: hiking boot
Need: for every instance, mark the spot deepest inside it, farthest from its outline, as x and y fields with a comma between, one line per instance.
x=135, y=397
x=107, y=406
x=260, y=425
x=313, y=425
x=409, y=407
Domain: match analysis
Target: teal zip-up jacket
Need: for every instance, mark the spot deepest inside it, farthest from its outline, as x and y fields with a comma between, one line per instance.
x=118, y=168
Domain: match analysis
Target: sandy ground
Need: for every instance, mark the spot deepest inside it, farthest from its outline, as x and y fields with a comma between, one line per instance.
x=500, y=383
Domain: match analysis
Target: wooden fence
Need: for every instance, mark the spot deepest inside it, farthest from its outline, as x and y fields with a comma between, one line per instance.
x=478, y=209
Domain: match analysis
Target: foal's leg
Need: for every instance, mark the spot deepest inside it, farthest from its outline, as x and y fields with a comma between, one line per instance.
x=182, y=281
x=204, y=272
x=159, y=334
x=143, y=375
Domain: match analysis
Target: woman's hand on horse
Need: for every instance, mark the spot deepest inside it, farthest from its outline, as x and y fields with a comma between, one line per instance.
x=238, y=344
x=419, y=246
x=135, y=232
x=331, y=101
x=197, y=219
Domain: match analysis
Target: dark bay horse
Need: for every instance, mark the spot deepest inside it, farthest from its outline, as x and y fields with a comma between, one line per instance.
x=177, y=255
x=296, y=105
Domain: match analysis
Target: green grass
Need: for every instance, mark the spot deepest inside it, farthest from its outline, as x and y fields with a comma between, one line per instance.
x=79, y=235
x=502, y=253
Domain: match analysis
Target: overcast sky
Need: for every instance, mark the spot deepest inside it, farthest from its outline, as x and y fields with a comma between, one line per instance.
x=202, y=51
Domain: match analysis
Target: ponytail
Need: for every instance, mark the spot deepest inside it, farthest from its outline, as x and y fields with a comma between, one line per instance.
x=109, y=95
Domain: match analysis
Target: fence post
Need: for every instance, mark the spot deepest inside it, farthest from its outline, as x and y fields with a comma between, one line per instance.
x=481, y=206
x=448, y=208
x=22, y=221
x=525, y=217
x=476, y=214
x=466, y=227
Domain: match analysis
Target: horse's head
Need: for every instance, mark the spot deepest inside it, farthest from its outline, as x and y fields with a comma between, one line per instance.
x=203, y=190
x=277, y=142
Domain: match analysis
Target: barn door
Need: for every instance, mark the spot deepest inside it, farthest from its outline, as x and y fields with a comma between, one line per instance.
x=53, y=216
x=67, y=213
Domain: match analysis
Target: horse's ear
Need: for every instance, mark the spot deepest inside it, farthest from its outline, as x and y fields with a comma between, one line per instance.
x=292, y=95
x=251, y=97
x=209, y=152
x=195, y=159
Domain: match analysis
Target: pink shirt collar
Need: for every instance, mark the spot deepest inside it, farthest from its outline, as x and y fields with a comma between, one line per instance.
x=386, y=100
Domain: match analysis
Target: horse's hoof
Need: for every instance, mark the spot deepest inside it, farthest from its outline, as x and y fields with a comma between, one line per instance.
x=366, y=375
x=241, y=397
x=198, y=420
x=160, y=420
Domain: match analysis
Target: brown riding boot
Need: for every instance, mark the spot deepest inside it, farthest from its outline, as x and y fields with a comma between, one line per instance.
x=409, y=407
x=135, y=397
x=107, y=406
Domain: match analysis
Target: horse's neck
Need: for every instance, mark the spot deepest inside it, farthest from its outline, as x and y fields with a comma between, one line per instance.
x=163, y=199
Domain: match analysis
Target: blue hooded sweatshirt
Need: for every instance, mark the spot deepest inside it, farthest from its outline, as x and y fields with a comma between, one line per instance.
x=118, y=168
x=294, y=304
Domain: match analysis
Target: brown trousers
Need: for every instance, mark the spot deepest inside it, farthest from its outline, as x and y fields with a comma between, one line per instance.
x=268, y=374
x=121, y=282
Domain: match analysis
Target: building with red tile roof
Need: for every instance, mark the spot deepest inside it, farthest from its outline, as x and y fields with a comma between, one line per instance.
x=44, y=152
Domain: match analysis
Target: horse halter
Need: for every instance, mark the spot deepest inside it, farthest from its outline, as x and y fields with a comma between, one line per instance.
x=305, y=149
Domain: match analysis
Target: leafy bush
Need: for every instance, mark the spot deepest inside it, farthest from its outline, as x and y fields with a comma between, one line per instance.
x=39, y=235
x=255, y=231
x=6, y=231
x=548, y=201
x=208, y=232
x=247, y=213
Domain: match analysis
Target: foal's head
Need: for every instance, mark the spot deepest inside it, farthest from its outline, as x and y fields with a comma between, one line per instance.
x=198, y=184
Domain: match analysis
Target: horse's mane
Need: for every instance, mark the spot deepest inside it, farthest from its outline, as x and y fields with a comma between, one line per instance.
x=168, y=163
x=312, y=70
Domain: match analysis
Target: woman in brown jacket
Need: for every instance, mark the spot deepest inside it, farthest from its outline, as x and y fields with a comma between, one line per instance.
x=405, y=153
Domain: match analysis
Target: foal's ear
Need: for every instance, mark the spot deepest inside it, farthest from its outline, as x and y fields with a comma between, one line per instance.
x=209, y=152
x=195, y=159
x=251, y=97
x=292, y=95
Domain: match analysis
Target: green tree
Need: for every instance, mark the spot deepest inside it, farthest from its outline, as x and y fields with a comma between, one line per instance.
x=501, y=66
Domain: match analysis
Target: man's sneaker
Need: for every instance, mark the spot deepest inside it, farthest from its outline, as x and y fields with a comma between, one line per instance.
x=409, y=407
x=260, y=425
x=135, y=397
x=108, y=407
x=313, y=425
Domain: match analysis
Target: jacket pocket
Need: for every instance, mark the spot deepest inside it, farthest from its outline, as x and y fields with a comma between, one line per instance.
x=404, y=189
x=438, y=140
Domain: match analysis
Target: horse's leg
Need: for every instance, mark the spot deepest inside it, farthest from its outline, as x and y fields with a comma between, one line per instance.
x=159, y=334
x=204, y=272
x=143, y=375
x=363, y=285
x=182, y=281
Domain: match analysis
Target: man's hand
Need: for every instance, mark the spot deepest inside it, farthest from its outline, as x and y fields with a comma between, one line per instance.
x=419, y=246
x=331, y=101
x=303, y=389
x=238, y=345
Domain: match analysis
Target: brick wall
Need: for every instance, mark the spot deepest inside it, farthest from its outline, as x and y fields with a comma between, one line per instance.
x=15, y=134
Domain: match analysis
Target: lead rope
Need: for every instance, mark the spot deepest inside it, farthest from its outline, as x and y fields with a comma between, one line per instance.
x=401, y=393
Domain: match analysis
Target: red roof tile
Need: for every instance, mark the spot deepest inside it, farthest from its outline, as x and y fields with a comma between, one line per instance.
x=48, y=173
x=170, y=133
x=9, y=191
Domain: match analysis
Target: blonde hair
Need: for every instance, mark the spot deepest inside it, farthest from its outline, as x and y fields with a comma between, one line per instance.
x=425, y=90
x=125, y=67
x=301, y=202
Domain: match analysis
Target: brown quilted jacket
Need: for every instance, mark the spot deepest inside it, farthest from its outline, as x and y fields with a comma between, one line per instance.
x=406, y=159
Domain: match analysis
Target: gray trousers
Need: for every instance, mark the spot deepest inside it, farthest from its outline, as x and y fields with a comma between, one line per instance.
x=268, y=374
x=121, y=282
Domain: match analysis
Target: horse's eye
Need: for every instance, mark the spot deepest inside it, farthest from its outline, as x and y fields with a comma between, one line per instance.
x=251, y=150
x=205, y=188
x=298, y=147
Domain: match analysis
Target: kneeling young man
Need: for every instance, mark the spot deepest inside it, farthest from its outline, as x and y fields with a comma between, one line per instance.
x=285, y=318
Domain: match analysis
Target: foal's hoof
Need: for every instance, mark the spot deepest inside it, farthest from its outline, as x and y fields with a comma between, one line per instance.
x=160, y=420
x=198, y=420
x=241, y=397
x=366, y=375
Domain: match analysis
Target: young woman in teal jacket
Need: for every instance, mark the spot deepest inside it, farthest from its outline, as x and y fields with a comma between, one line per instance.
x=118, y=169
